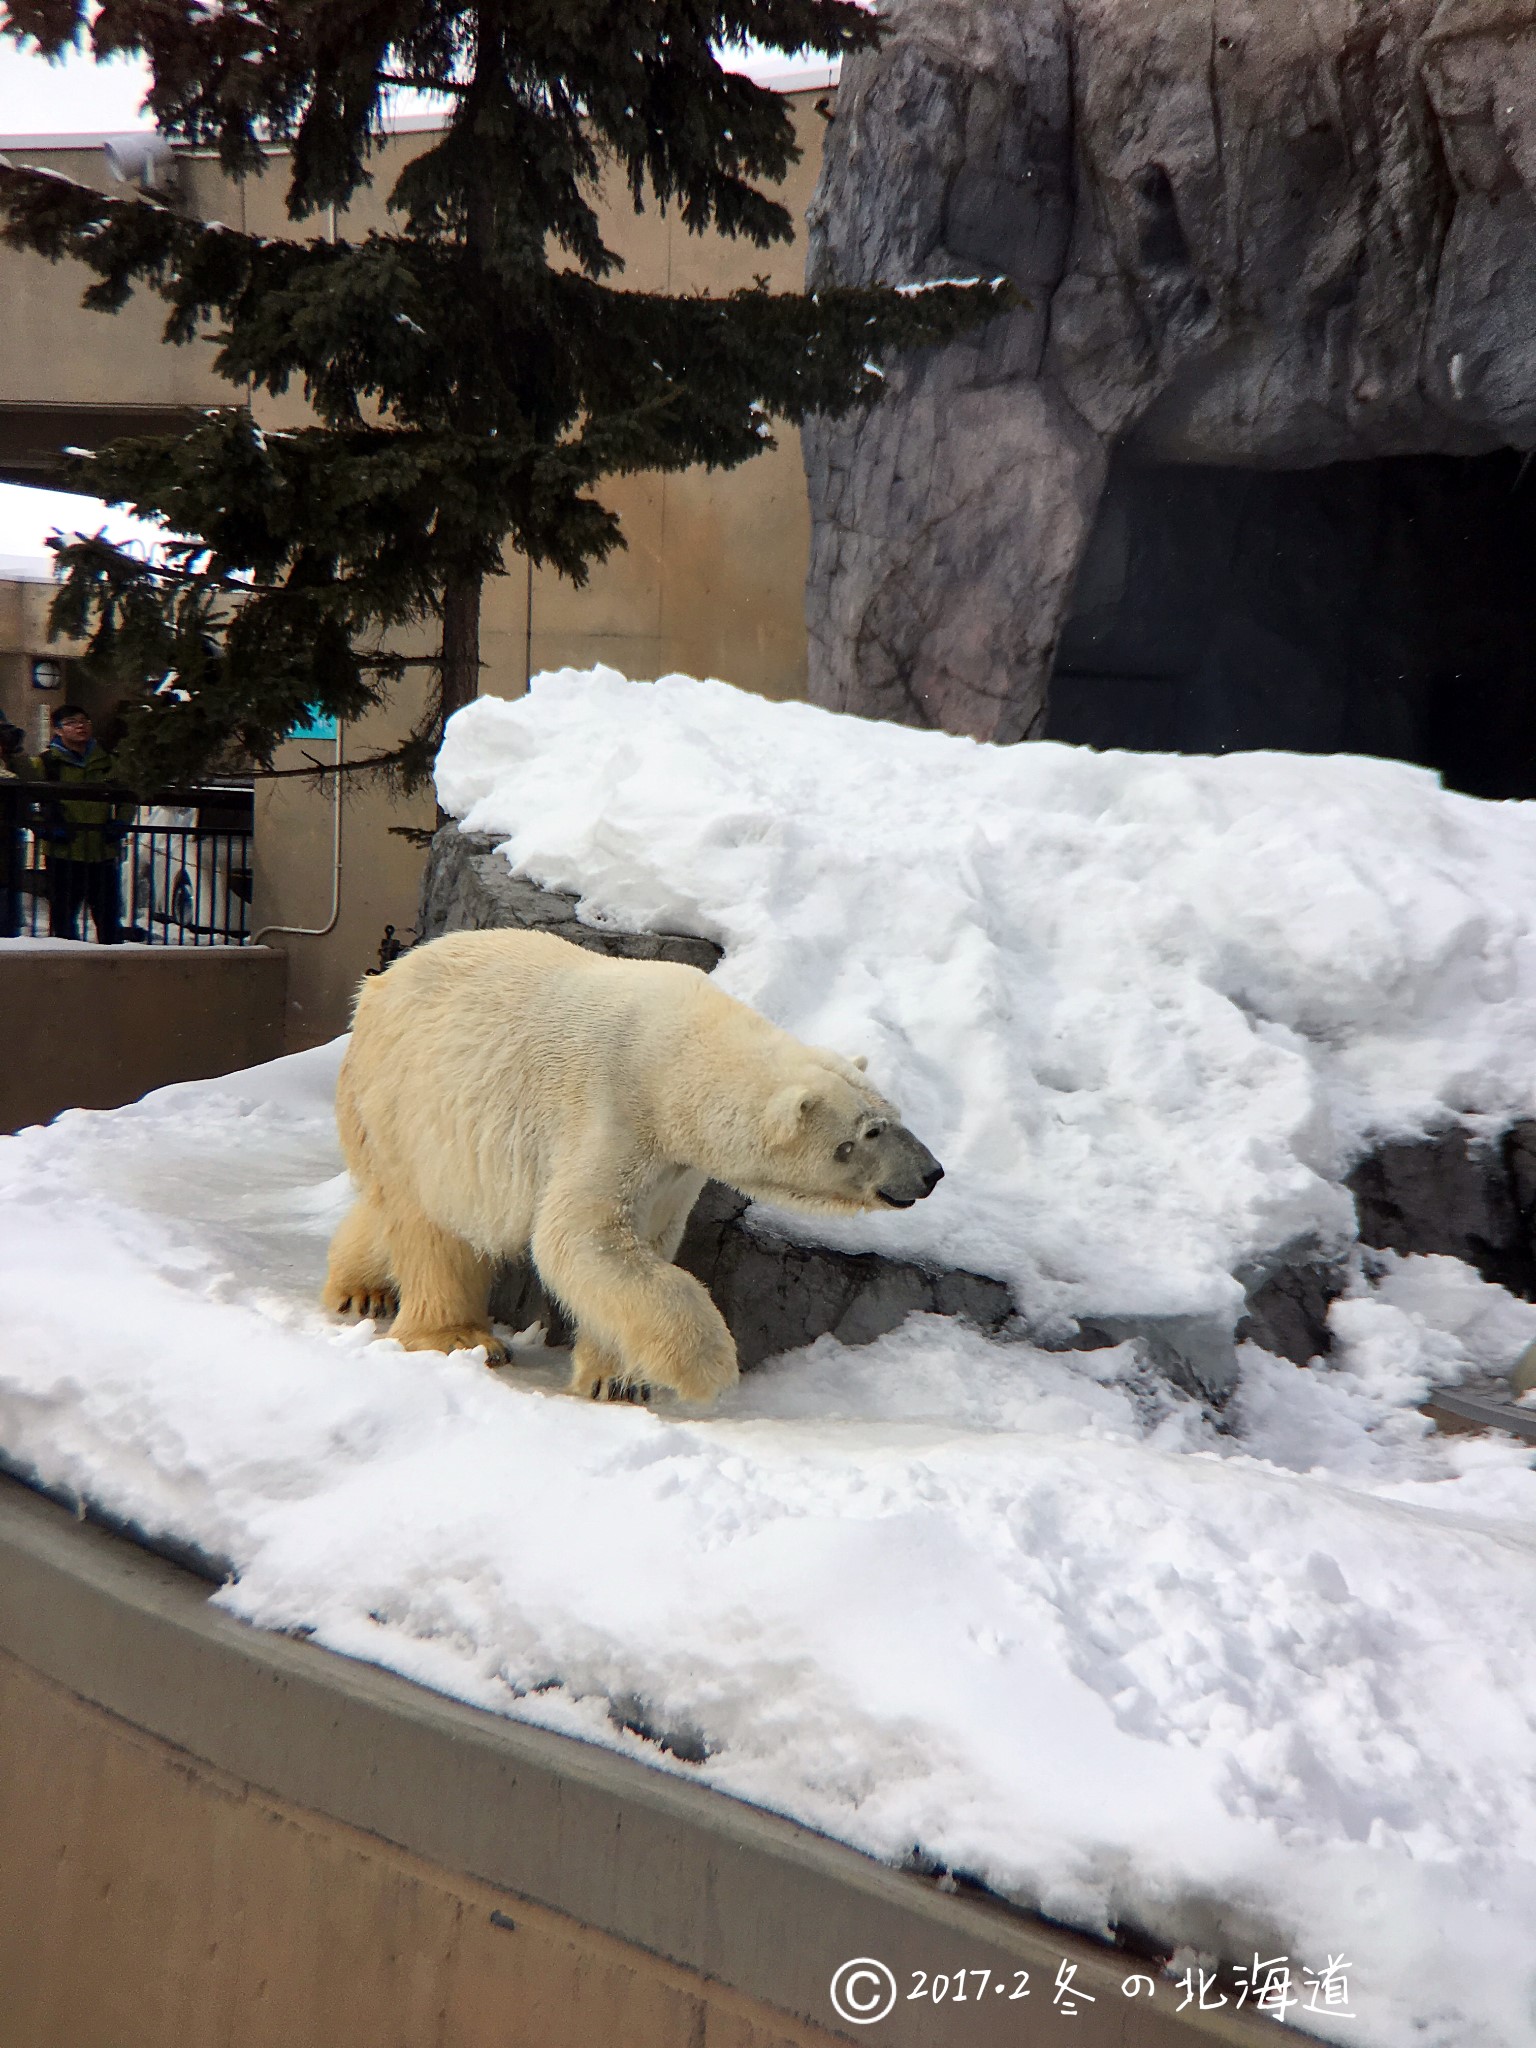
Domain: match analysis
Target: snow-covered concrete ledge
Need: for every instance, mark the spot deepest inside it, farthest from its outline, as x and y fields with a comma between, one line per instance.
x=742, y=1898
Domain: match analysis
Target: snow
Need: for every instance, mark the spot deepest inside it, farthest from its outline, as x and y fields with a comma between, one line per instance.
x=29, y=515
x=1259, y=1682
x=47, y=945
x=1147, y=1010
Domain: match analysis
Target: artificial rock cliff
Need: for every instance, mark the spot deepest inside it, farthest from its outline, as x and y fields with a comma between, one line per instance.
x=1245, y=237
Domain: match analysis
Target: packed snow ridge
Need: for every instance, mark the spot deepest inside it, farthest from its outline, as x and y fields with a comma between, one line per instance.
x=1147, y=1010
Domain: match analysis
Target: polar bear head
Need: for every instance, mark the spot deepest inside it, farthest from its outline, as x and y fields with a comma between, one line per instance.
x=834, y=1144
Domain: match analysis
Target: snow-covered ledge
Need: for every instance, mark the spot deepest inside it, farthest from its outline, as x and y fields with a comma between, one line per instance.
x=729, y=1918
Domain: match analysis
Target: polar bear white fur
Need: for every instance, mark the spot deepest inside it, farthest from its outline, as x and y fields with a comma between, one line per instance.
x=508, y=1094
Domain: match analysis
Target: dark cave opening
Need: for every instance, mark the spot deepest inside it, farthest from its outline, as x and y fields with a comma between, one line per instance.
x=1384, y=607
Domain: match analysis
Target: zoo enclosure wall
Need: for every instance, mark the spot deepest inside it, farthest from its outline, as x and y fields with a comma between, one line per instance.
x=211, y=1834
x=93, y=1027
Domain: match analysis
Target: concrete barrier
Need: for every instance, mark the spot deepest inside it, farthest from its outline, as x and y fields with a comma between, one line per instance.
x=210, y=1835
x=91, y=1027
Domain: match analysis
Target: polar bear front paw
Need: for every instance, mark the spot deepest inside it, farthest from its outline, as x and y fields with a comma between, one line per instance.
x=636, y=1392
x=346, y=1298
x=600, y=1376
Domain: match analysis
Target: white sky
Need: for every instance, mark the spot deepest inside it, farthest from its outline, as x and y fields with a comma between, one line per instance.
x=80, y=97
x=75, y=97
x=27, y=517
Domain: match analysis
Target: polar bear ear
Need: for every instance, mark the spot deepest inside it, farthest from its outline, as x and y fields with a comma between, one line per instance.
x=787, y=1112
x=861, y=1061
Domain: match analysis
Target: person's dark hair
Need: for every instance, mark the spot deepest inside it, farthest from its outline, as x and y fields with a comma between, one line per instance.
x=68, y=711
x=11, y=738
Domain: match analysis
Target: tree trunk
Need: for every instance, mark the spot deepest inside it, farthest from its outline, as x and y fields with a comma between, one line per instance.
x=460, y=670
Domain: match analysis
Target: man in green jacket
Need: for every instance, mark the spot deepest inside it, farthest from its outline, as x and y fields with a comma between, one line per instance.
x=83, y=834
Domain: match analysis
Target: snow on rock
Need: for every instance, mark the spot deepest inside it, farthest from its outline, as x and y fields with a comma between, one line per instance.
x=1147, y=1010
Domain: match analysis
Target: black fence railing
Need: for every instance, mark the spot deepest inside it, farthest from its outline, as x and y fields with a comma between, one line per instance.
x=171, y=871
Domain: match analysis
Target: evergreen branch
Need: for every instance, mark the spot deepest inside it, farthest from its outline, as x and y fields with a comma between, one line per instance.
x=474, y=370
x=416, y=83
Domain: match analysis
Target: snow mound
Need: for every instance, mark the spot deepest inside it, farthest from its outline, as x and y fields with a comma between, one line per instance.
x=1147, y=1010
x=1030, y=1616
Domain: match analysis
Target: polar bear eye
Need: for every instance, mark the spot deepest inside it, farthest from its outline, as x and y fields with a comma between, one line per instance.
x=875, y=1131
x=844, y=1151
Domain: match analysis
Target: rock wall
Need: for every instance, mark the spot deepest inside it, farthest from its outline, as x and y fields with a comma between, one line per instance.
x=468, y=887
x=1274, y=236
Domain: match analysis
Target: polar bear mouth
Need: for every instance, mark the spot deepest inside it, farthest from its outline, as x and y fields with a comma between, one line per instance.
x=896, y=1201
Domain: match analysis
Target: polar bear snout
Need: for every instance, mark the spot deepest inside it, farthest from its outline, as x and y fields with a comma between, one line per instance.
x=840, y=1148
x=912, y=1173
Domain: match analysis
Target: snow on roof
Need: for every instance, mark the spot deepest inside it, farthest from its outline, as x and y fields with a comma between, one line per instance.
x=26, y=568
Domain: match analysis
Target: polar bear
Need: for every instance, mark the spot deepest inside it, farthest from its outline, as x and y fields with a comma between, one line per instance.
x=509, y=1094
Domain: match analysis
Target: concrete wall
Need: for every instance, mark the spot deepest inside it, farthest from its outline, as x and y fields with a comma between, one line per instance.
x=711, y=583
x=53, y=355
x=215, y=1837
x=713, y=579
x=24, y=635
x=294, y=872
x=148, y=1900
x=92, y=1027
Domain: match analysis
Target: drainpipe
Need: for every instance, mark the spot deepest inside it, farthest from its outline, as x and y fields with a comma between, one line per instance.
x=318, y=931
x=312, y=931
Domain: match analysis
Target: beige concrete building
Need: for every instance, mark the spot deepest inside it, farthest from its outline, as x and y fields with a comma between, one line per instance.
x=35, y=672
x=711, y=581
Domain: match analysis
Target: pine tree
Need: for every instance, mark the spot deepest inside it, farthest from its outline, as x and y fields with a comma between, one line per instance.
x=473, y=371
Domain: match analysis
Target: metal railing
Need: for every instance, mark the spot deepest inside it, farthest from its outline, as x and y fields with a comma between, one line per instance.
x=176, y=869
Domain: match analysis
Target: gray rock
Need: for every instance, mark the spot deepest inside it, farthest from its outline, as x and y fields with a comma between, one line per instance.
x=1288, y=1301
x=468, y=887
x=776, y=1295
x=1197, y=1353
x=1258, y=236
x=1456, y=1191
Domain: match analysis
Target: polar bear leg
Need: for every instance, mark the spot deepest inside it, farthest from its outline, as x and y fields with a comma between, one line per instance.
x=639, y=1318
x=445, y=1287
x=358, y=1280
x=598, y=1371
